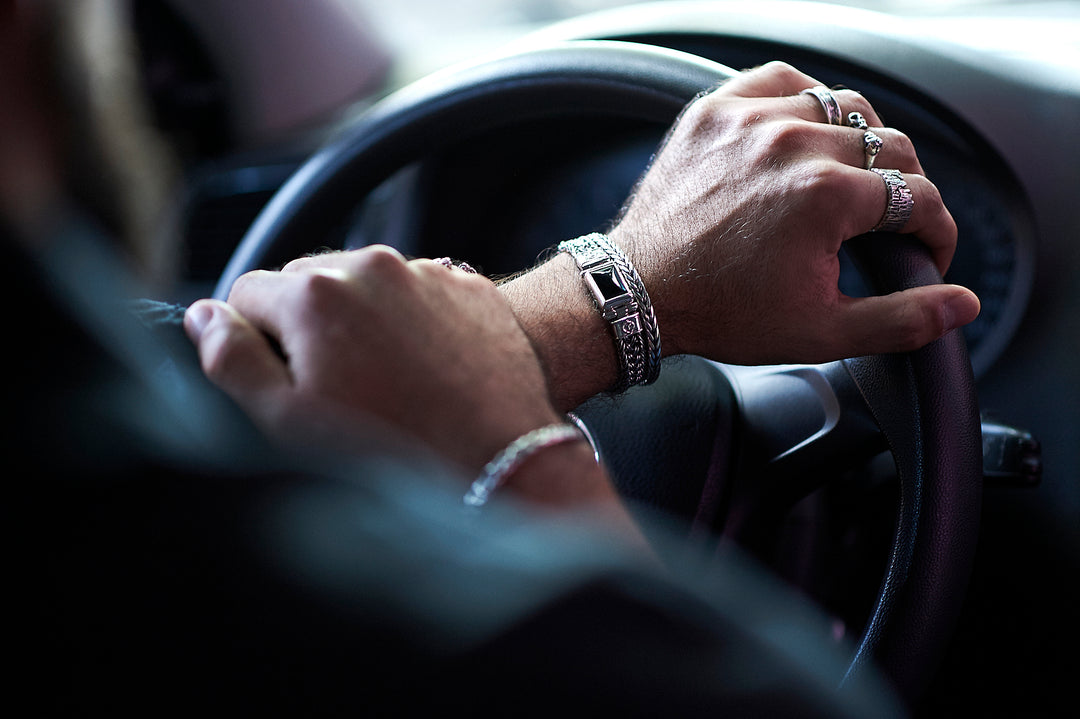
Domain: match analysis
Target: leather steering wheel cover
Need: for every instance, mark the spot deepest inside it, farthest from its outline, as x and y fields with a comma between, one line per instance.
x=940, y=472
x=936, y=530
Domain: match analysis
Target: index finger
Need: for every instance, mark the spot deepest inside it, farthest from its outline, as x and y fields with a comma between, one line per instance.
x=336, y=259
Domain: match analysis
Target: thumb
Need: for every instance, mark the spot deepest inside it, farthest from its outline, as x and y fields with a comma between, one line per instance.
x=905, y=321
x=235, y=355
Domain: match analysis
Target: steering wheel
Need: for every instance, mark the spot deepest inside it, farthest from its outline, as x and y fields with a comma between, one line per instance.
x=672, y=445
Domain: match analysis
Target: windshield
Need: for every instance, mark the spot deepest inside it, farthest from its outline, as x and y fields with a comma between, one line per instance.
x=424, y=35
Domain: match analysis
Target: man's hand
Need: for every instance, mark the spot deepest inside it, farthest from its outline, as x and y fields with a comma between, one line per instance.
x=736, y=227
x=432, y=351
x=735, y=230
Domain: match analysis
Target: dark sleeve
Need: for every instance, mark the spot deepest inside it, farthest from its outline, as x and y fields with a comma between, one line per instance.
x=164, y=322
x=164, y=558
x=316, y=594
x=156, y=316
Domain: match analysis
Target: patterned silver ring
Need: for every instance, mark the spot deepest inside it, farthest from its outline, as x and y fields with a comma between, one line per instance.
x=833, y=114
x=445, y=262
x=872, y=145
x=466, y=268
x=899, y=202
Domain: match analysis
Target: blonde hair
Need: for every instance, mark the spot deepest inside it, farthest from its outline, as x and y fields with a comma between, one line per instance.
x=116, y=163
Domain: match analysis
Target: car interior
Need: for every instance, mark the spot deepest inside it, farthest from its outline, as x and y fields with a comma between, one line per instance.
x=930, y=505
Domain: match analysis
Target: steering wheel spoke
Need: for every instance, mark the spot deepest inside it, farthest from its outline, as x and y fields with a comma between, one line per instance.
x=799, y=426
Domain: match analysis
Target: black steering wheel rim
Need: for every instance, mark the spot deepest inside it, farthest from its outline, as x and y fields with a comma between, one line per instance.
x=566, y=79
x=934, y=430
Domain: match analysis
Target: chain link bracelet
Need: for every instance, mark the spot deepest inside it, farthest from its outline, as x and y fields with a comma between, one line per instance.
x=619, y=294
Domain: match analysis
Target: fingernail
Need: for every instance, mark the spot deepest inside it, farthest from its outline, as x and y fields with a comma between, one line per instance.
x=959, y=310
x=196, y=319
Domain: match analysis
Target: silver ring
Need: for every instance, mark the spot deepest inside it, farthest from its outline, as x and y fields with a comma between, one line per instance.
x=872, y=145
x=449, y=264
x=856, y=120
x=898, y=203
x=828, y=102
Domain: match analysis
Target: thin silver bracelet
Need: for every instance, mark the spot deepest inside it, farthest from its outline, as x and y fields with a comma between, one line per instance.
x=620, y=296
x=507, y=461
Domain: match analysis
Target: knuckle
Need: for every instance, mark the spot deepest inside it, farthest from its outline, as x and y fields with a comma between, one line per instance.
x=321, y=257
x=823, y=182
x=900, y=145
x=242, y=283
x=932, y=194
x=853, y=100
x=904, y=142
x=927, y=194
x=742, y=117
x=380, y=260
x=320, y=293
x=701, y=114
x=948, y=222
x=827, y=191
x=782, y=72
x=296, y=265
x=788, y=137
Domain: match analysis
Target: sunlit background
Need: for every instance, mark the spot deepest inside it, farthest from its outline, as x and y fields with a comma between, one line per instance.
x=424, y=35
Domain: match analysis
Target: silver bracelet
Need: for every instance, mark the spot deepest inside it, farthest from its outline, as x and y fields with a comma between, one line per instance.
x=507, y=461
x=620, y=295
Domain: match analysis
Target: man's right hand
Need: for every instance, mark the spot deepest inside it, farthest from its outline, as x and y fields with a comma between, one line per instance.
x=735, y=230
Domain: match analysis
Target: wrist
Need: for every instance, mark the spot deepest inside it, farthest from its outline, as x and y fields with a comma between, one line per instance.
x=517, y=453
x=567, y=478
x=559, y=476
x=659, y=282
x=568, y=334
x=621, y=299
